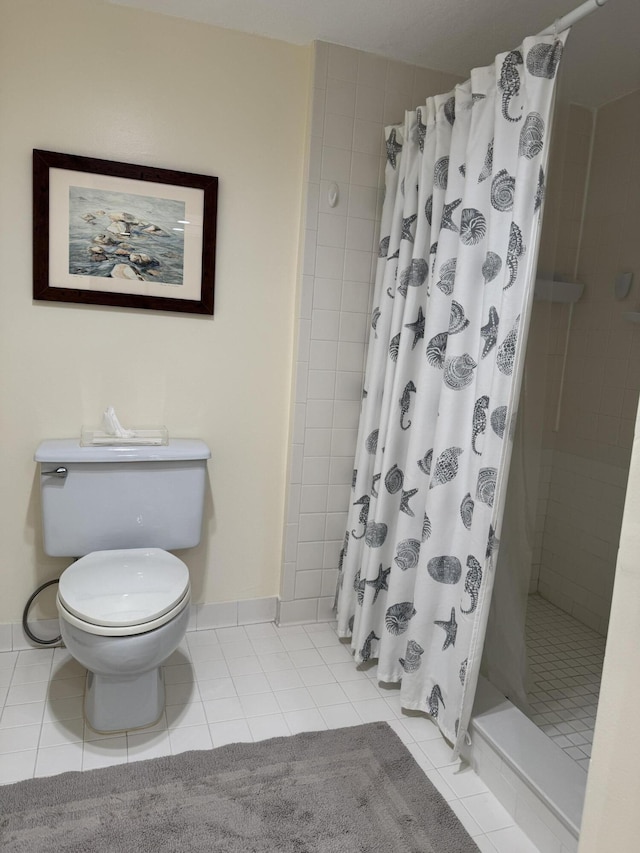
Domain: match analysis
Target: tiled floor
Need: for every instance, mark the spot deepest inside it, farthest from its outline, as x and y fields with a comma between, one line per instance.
x=232, y=684
x=565, y=668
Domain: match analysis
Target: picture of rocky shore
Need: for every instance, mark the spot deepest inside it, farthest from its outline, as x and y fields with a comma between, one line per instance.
x=126, y=236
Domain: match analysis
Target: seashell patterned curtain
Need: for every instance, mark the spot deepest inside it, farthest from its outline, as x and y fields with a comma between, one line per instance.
x=465, y=182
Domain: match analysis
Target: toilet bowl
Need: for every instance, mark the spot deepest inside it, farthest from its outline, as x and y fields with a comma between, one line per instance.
x=122, y=613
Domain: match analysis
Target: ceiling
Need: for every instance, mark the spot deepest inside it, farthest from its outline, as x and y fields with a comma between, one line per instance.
x=602, y=61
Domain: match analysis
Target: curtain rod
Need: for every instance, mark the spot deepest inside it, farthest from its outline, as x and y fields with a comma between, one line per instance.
x=571, y=18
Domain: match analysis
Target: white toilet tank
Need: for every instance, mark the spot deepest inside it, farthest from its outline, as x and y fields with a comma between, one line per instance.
x=100, y=498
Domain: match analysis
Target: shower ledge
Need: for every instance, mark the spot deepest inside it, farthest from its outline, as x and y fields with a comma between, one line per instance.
x=553, y=777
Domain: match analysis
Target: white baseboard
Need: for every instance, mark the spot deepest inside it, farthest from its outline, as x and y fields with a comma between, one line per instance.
x=304, y=610
x=203, y=617
x=226, y=614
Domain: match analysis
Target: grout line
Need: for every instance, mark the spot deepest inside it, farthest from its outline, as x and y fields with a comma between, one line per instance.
x=356, y=710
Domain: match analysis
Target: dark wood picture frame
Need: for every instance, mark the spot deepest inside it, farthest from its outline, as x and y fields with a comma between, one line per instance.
x=55, y=280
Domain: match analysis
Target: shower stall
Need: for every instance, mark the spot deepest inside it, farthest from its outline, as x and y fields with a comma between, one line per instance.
x=573, y=436
x=569, y=470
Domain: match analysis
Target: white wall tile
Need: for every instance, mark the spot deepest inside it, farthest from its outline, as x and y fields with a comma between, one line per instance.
x=336, y=524
x=318, y=442
x=320, y=63
x=308, y=584
x=255, y=610
x=577, y=567
x=313, y=196
x=297, y=612
x=310, y=555
x=6, y=643
x=346, y=414
x=216, y=615
x=332, y=230
x=311, y=527
x=323, y=355
x=399, y=77
x=340, y=472
x=332, y=553
x=348, y=385
x=329, y=262
x=338, y=131
x=395, y=105
x=368, y=137
x=363, y=202
x=372, y=70
x=359, y=234
x=293, y=502
x=315, y=158
x=355, y=295
x=296, y=463
x=338, y=498
x=290, y=543
x=336, y=164
x=325, y=325
x=321, y=385
x=309, y=252
x=343, y=442
x=299, y=416
x=350, y=355
x=329, y=581
x=365, y=169
x=315, y=471
x=304, y=337
x=352, y=329
x=325, y=609
x=340, y=97
x=369, y=103
x=320, y=414
x=317, y=112
x=19, y=640
x=343, y=62
x=426, y=82
x=306, y=297
x=357, y=265
x=327, y=292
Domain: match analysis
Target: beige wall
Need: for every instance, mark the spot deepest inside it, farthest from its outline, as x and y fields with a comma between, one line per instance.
x=611, y=816
x=611, y=819
x=95, y=79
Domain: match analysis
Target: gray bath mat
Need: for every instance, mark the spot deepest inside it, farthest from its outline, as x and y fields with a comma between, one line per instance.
x=355, y=790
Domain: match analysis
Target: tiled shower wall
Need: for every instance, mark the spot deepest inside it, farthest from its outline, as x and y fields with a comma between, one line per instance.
x=583, y=498
x=558, y=258
x=355, y=94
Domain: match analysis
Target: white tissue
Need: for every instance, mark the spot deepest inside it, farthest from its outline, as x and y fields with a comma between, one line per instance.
x=112, y=425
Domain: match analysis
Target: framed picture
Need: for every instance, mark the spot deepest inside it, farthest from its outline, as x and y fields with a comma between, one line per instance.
x=107, y=233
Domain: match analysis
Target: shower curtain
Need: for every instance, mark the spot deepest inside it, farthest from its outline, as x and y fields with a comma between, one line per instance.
x=464, y=188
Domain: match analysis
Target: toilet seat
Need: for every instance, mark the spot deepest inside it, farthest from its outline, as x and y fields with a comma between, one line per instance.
x=123, y=592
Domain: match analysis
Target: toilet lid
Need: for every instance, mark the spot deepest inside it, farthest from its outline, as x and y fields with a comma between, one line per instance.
x=124, y=587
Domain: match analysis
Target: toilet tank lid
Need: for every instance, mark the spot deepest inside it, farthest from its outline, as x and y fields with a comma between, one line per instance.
x=59, y=450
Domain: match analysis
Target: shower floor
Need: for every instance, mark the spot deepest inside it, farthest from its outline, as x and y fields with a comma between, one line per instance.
x=565, y=667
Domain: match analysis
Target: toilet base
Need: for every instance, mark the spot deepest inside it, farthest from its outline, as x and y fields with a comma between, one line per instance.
x=115, y=703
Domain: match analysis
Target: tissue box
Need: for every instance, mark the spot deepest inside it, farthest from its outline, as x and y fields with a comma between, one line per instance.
x=92, y=436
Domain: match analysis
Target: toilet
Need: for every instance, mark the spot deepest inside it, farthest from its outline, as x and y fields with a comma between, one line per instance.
x=124, y=603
